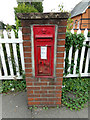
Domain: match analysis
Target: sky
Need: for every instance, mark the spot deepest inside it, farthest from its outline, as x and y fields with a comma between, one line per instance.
x=7, y=12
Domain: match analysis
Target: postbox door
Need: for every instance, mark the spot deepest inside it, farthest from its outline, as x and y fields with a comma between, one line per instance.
x=44, y=37
x=44, y=60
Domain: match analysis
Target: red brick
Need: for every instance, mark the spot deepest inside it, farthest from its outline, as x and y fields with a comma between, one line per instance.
x=28, y=83
x=61, y=29
x=33, y=95
x=30, y=79
x=51, y=91
x=59, y=79
x=46, y=80
x=33, y=103
x=34, y=88
x=26, y=30
x=58, y=103
x=58, y=87
x=27, y=54
x=59, y=91
x=40, y=84
x=47, y=103
x=27, y=60
x=60, y=49
x=30, y=99
x=55, y=91
x=59, y=75
x=56, y=83
x=58, y=95
x=58, y=22
x=54, y=99
x=25, y=23
x=47, y=95
x=47, y=88
x=62, y=42
x=27, y=43
x=60, y=54
x=29, y=92
x=26, y=37
x=62, y=23
x=28, y=75
x=61, y=36
x=59, y=70
x=60, y=60
x=28, y=65
x=38, y=92
x=28, y=70
x=27, y=49
x=40, y=99
x=59, y=65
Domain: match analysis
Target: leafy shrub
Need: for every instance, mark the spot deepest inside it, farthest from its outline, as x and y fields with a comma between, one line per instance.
x=88, y=34
x=75, y=92
x=13, y=85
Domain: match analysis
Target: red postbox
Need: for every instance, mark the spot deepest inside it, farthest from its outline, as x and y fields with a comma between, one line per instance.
x=44, y=38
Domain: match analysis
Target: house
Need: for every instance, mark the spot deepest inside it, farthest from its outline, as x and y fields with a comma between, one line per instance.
x=81, y=15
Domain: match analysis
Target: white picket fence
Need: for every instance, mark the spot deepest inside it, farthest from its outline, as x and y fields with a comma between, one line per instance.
x=7, y=69
x=84, y=63
x=12, y=69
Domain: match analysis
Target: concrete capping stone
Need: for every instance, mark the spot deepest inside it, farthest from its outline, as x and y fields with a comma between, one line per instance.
x=33, y=16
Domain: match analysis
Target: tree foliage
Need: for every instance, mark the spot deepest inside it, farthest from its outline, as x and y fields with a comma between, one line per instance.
x=27, y=7
x=38, y=6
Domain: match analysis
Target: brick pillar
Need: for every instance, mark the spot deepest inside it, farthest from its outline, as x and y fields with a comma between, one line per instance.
x=44, y=91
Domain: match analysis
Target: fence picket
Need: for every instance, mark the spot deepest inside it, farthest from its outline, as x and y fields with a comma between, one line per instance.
x=20, y=34
x=0, y=66
x=22, y=56
x=75, y=61
x=9, y=59
x=87, y=60
x=15, y=53
x=5, y=34
x=64, y=60
x=3, y=60
x=0, y=60
x=12, y=34
x=83, y=51
x=21, y=50
x=76, y=56
x=70, y=58
x=16, y=59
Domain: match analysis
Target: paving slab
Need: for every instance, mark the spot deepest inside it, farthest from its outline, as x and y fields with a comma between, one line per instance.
x=15, y=106
x=0, y=106
x=59, y=113
x=83, y=113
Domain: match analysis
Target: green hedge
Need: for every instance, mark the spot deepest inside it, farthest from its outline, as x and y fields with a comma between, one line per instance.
x=12, y=86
